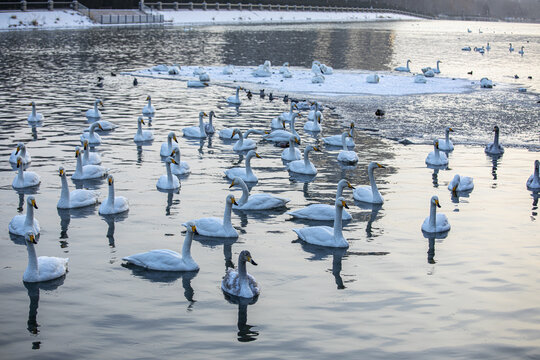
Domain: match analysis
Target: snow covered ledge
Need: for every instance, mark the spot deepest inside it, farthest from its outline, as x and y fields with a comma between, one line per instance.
x=43, y=19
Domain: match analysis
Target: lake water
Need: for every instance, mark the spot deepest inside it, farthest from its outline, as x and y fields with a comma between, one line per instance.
x=392, y=294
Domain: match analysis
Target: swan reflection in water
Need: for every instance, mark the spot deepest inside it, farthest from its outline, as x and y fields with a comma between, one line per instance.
x=321, y=253
x=431, y=246
x=33, y=294
x=245, y=331
x=535, y=195
x=65, y=218
x=170, y=198
x=494, y=164
x=111, y=220
x=375, y=208
x=213, y=242
x=435, y=174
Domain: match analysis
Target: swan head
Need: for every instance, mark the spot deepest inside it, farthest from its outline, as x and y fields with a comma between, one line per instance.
x=373, y=165
x=245, y=256
x=496, y=129
x=141, y=120
x=316, y=62
x=172, y=135
x=31, y=201
x=286, y=64
x=236, y=131
x=31, y=237
x=231, y=199
x=110, y=180
x=340, y=202
x=33, y=104
x=211, y=113
x=314, y=148
x=202, y=113
x=96, y=125
x=352, y=125
x=449, y=129
x=237, y=180
x=85, y=144
x=191, y=228
x=436, y=144
x=19, y=161
x=295, y=138
x=319, y=117
x=170, y=160
x=148, y=98
x=20, y=146
x=61, y=171
x=77, y=152
x=455, y=182
x=253, y=153
x=435, y=201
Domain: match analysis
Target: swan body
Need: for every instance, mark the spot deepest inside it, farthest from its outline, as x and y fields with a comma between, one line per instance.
x=326, y=235
x=235, y=100
x=288, y=115
x=34, y=116
x=446, y=144
x=227, y=134
x=168, y=147
x=20, y=151
x=113, y=204
x=257, y=201
x=521, y=52
x=21, y=224
x=326, y=70
x=204, y=77
x=420, y=79
x=85, y=172
x=90, y=158
x=168, y=181
x=24, y=179
x=196, y=131
x=263, y=70
x=335, y=140
x=436, y=157
x=316, y=67
x=168, y=260
x=305, y=166
x=197, y=83
x=292, y=152
x=533, y=182
x=75, y=199
x=323, y=212
x=174, y=70
x=94, y=113
x=284, y=68
x=242, y=144
x=246, y=173
x=149, y=109
x=317, y=79
x=142, y=135
x=369, y=194
x=277, y=123
x=179, y=167
x=287, y=74
x=105, y=126
x=404, y=68
x=372, y=79
x=315, y=125
x=429, y=73
x=461, y=183
x=238, y=282
x=485, y=83
x=283, y=135
x=228, y=70
x=43, y=268
x=511, y=48
x=345, y=155
x=494, y=148
x=435, y=223
x=216, y=227
x=209, y=127
x=466, y=48
x=91, y=136
x=435, y=70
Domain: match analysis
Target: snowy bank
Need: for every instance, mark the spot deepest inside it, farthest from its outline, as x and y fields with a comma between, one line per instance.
x=341, y=83
x=43, y=19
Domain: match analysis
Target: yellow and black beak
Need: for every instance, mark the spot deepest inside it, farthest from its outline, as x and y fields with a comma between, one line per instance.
x=350, y=186
x=174, y=161
x=61, y=172
x=34, y=204
x=437, y=203
x=437, y=144
x=233, y=201
x=174, y=138
x=194, y=229
x=85, y=145
x=316, y=148
x=296, y=140
x=380, y=166
x=233, y=133
x=77, y=153
x=32, y=239
x=450, y=129
x=257, y=155
x=205, y=114
x=454, y=188
x=250, y=259
x=148, y=98
x=101, y=103
x=19, y=163
x=352, y=125
x=110, y=181
x=173, y=152
x=344, y=204
x=205, y=84
x=232, y=184
x=99, y=126
x=142, y=121
x=18, y=149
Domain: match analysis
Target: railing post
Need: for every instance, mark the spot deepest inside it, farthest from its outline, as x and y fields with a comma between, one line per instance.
x=228, y=6
x=295, y=7
x=250, y=7
x=239, y=6
x=175, y=6
x=141, y=5
x=286, y=7
x=75, y=5
x=204, y=5
x=50, y=5
x=260, y=6
x=159, y=6
x=23, y=5
x=190, y=5
x=217, y=6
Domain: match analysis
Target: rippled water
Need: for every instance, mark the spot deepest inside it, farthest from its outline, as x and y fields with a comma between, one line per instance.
x=392, y=294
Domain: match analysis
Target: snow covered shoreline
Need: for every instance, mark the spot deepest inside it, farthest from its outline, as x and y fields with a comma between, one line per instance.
x=69, y=19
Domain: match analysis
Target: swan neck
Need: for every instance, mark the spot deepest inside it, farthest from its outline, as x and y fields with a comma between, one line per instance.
x=242, y=269
x=433, y=216
x=338, y=222
x=139, y=128
x=374, y=189
x=201, y=126
x=496, y=139
x=91, y=130
x=344, y=142
x=79, y=167
x=186, y=246
x=169, y=173
x=210, y=116
x=64, y=195
x=249, y=171
x=536, y=174
x=110, y=198
x=306, y=156
x=32, y=268
x=34, y=110
x=340, y=187
x=227, y=214
x=95, y=107
x=447, y=137
x=245, y=193
x=29, y=220
x=20, y=173
x=237, y=92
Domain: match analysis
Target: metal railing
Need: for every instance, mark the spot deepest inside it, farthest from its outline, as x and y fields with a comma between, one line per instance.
x=130, y=19
x=37, y=5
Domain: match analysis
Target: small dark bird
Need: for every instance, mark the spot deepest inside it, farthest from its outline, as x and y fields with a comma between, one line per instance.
x=99, y=84
x=529, y=77
x=261, y=93
x=135, y=82
x=470, y=72
x=286, y=99
x=270, y=96
x=249, y=94
x=99, y=78
x=379, y=112
x=516, y=77
x=113, y=74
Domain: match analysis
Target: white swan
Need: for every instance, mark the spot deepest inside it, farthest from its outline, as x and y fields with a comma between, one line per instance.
x=420, y=79
x=204, y=77
x=288, y=115
x=21, y=224
x=242, y=144
x=235, y=100
x=435, y=223
x=179, y=167
x=168, y=181
x=246, y=173
x=283, y=135
x=263, y=70
x=197, y=83
x=533, y=182
x=404, y=68
x=287, y=74
x=326, y=235
x=494, y=148
x=335, y=140
x=429, y=73
x=198, y=71
x=90, y=158
x=277, y=123
x=149, y=109
x=43, y=268
x=168, y=260
x=113, y=204
x=142, y=135
x=292, y=152
x=24, y=179
x=488, y=47
x=436, y=157
x=317, y=79
x=461, y=183
x=196, y=131
x=284, y=68
x=511, y=48
x=372, y=79
x=434, y=70
x=323, y=212
x=446, y=144
x=94, y=113
x=85, y=172
x=228, y=70
x=34, y=116
x=305, y=166
x=167, y=147
x=209, y=127
x=326, y=70
x=216, y=227
x=260, y=201
x=345, y=155
x=20, y=151
x=75, y=199
x=238, y=282
x=369, y=194
x=93, y=138
x=315, y=124
x=316, y=67
x=521, y=52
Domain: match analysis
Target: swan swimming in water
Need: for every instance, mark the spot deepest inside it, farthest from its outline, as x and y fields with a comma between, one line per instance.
x=179, y=167
x=149, y=109
x=198, y=132
x=288, y=115
x=494, y=148
x=305, y=166
x=263, y=70
x=246, y=173
x=90, y=158
x=435, y=223
x=315, y=125
x=324, y=212
x=511, y=48
x=242, y=144
x=209, y=127
x=43, y=268
x=281, y=135
x=461, y=183
x=168, y=260
x=335, y=140
x=24, y=179
x=142, y=135
x=113, y=204
x=435, y=70
x=75, y=199
x=404, y=68
x=235, y=100
x=446, y=144
x=238, y=282
x=533, y=182
x=21, y=224
x=197, y=83
x=369, y=194
x=34, y=116
x=259, y=201
x=326, y=235
x=292, y=152
x=216, y=227
x=168, y=147
x=20, y=151
x=85, y=172
x=345, y=155
x=168, y=181
x=93, y=138
x=436, y=157
x=94, y=113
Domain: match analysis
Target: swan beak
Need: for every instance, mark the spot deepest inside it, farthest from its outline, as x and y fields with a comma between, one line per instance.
x=233, y=133
x=450, y=129
x=345, y=204
x=296, y=140
x=32, y=239
x=85, y=145
x=110, y=181
x=101, y=103
x=18, y=149
x=34, y=204
x=350, y=186
x=194, y=229
x=250, y=259
x=295, y=107
x=232, y=184
x=437, y=203
x=352, y=125
x=77, y=153
x=299, y=115
x=19, y=162
x=30, y=104
x=148, y=98
x=174, y=138
x=204, y=114
x=142, y=122
x=174, y=161
x=381, y=166
x=267, y=132
x=61, y=172
x=99, y=126
x=316, y=148
x=437, y=144
x=257, y=155
x=454, y=188
x=173, y=152
x=205, y=84
x=233, y=200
